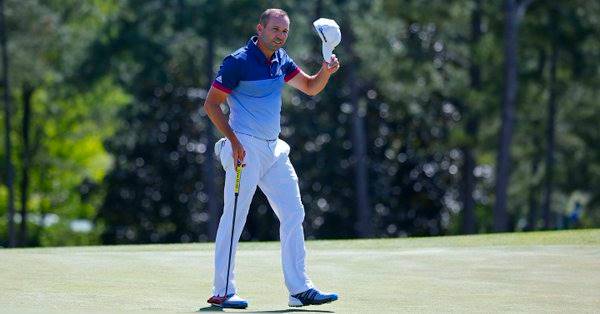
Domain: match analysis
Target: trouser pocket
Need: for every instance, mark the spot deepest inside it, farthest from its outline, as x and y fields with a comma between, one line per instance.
x=220, y=146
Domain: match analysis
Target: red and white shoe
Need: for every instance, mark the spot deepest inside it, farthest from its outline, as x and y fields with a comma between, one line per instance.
x=232, y=301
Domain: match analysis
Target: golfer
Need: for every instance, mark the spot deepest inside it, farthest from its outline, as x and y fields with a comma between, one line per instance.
x=251, y=81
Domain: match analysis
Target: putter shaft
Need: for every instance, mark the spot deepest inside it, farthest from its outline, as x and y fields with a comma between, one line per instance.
x=238, y=175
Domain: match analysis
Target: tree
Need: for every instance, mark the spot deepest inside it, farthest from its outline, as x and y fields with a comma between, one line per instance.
x=7, y=140
x=471, y=126
x=513, y=13
x=210, y=17
x=49, y=39
x=27, y=92
x=551, y=124
x=364, y=223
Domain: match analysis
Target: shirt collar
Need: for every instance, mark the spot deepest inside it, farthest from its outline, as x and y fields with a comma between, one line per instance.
x=253, y=47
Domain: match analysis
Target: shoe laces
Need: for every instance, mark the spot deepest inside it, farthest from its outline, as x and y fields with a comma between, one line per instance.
x=309, y=294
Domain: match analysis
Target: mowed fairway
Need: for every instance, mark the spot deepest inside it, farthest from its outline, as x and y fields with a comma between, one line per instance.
x=522, y=272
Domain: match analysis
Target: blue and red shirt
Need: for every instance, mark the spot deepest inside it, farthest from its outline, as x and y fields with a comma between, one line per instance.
x=254, y=85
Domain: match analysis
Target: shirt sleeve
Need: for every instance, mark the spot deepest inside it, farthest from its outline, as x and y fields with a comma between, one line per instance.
x=228, y=76
x=290, y=69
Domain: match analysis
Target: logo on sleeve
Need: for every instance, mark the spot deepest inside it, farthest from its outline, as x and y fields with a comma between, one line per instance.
x=219, y=79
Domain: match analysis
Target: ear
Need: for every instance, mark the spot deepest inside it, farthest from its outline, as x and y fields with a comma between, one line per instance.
x=259, y=28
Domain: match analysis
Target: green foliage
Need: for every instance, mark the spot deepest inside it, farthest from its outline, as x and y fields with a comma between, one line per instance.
x=68, y=159
x=118, y=138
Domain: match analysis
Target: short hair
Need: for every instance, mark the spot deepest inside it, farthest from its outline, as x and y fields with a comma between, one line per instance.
x=265, y=16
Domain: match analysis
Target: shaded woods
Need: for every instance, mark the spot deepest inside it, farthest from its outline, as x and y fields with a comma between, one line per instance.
x=446, y=118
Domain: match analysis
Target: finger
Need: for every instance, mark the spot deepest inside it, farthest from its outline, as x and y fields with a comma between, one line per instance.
x=241, y=155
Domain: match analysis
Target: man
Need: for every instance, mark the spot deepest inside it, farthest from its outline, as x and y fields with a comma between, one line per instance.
x=251, y=80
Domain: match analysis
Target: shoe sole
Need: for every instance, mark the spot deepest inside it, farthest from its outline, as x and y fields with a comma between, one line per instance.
x=230, y=306
x=300, y=304
x=239, y=307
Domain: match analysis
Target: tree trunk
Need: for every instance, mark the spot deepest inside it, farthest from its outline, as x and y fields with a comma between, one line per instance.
x=7, y=114
x=471, y=129
x=318, y=9
x=209, y=164
x=467, y=186
x=550, y=128
x=43, y=207
x=364, y=224
x=27, y=94
x=508, y=114
x=532, y=213
x=533, y=194
x=513, y=12
x=315, y=57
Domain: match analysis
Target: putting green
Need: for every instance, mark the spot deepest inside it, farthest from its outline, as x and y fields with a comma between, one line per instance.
x=518, y=272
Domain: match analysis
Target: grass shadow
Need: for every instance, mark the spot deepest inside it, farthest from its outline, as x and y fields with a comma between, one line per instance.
x=211, y=308
x=214, y=308
x=295, y=310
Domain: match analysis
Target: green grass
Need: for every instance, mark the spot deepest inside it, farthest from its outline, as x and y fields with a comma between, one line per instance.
x=517, y=272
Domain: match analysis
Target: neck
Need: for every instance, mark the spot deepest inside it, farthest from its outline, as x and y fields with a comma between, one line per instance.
x=266, y=51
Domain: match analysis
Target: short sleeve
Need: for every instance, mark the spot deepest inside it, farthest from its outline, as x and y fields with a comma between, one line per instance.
x=290, y=69
x=228, y=77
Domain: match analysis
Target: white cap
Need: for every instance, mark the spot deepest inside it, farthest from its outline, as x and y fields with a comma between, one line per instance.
x=329, y=32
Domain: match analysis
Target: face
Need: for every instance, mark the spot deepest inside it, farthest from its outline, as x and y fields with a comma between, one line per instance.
x=275, y=33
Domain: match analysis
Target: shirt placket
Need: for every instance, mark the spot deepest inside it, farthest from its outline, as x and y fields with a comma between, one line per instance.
x=272, y=66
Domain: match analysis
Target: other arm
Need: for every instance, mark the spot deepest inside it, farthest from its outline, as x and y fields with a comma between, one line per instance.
x=212, y=107
x=314, y=84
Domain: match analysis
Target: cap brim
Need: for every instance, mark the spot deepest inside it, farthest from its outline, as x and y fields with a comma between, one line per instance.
x=327, y=52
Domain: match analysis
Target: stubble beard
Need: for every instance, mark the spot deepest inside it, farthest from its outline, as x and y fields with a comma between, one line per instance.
x=271, y=45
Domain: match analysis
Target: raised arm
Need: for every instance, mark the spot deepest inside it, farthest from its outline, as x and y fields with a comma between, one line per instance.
x=314, y=84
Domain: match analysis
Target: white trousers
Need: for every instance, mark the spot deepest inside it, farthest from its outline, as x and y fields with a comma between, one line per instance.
x=268, y=167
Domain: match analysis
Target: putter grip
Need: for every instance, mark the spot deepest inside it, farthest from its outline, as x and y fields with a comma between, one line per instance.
x=238, y=175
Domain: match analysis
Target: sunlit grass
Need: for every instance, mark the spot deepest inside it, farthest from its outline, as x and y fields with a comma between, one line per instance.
x=530, y=272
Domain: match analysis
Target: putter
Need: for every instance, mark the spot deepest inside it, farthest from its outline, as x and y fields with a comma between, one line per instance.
x=238, y=175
